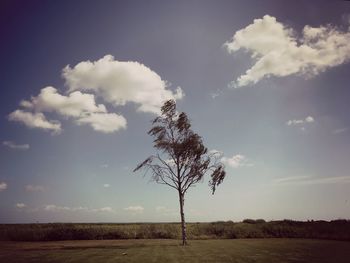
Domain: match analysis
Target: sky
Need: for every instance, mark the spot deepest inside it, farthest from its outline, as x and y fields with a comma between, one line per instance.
x=265, y=83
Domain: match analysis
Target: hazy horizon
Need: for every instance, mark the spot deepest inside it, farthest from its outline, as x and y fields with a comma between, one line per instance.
x=266, y=84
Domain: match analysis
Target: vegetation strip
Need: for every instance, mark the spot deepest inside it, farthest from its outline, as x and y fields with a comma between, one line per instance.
x=249, y=228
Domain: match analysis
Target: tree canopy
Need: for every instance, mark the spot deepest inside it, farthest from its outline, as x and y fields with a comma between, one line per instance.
x=182, y=160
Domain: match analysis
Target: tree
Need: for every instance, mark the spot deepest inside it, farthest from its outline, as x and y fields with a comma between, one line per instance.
x=181, y=160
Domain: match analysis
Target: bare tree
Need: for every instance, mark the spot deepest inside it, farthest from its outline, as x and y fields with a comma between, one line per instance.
x=182, y=159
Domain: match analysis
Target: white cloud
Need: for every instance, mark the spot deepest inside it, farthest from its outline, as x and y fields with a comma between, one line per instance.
x=215, y=94
x=55, y=208
x=3, y=186
x=278, y=51
x=312, y=180
x=35, y=120
x=120, y=82
x=103, y=122
x=134, y=209
x=34, y=188
x=236, y=161
x=340, y=130
x=15, y=146
x=308, y=119
x=114, y=81
x=105, y=209
x=81, y=107
x=106, y=185
x=104, y=165
x=21, y=205
x=292, y=179
x=294, y=122
x=74, y=105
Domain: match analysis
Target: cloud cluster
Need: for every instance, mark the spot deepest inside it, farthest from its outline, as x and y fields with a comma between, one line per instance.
x=236, y=161
x=80, y=107
x=104, y=209
x=55, y=208
x=278, y=51
x=120, y=82
x=75, y=104
x=15, y=146
x=3, y=186
x=21, y=205
x=134, y=209
x=103, y=122
x=116, y=82
x=308, y=119
x=35, y=120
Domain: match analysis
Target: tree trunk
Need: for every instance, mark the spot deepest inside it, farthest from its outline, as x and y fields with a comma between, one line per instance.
x=183, y=222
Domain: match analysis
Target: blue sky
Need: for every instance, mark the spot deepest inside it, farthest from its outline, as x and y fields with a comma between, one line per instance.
x=265, y=83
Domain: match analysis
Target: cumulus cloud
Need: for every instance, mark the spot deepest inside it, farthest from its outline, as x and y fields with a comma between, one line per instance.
x=308, y=119
x=74, y=105
x=34, y=188
x=236, y=161
x=3, y=186
x=277, y=51
x=81, y=107
x=134, y=209
x=120, y=82
x=35, y=120
x=103, y=122
x=21, y=205
x=116, y=82
x=15, y=146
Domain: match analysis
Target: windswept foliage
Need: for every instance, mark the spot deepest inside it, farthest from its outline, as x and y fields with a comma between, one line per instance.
x=182, y=159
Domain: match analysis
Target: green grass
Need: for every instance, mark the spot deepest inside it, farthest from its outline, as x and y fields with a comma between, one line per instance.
x=237, y=250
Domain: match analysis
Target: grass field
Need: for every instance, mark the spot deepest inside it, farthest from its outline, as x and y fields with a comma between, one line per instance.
x=249, y=228
x=237, y=250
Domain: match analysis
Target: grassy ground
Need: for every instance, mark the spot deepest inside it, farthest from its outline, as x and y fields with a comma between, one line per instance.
x=238, y=250
x=249, y=228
